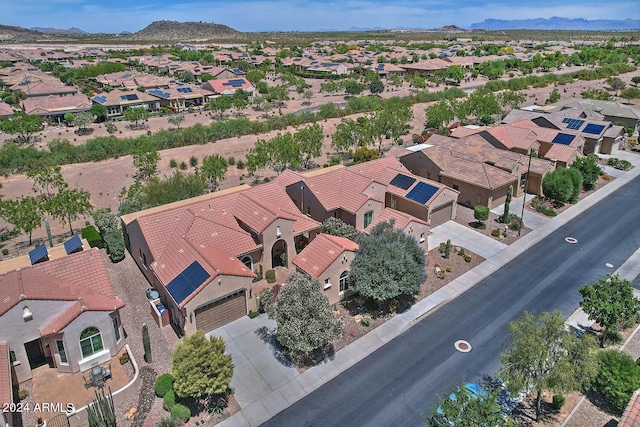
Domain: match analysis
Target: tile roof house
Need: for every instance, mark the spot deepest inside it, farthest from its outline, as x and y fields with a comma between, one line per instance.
x=229, y=86
x=53, y=108
x=328, y=259
x=5, y=110
x=6, y=385
x=63, y=312
x=631, y=415
x=44, y=88
x=116, y=101
x=179, y=97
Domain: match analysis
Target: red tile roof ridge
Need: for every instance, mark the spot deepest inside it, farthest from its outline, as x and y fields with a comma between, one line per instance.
x=6, y=391
x=346, y=244
x=271, y=208
x=222, y=262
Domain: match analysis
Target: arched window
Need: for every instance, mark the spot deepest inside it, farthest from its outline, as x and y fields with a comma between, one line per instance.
x=344, y=281
x=91, y=341
x=248, y=262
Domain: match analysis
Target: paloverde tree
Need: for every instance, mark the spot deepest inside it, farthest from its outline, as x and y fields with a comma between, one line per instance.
x=25, y=214
x=176, y=120
x=200, y=367
x=145, y=160
x=352, y=133
x=467, y=409
x=70, y=204
x=388, y=264
x=220, y=104
x=609, y=302
x=309, y=139
x=213, y=170
x=438, y=115
x=391, y=121
x=278, y=153
x=540, y=354
x=23, y=126
x=135, y=115
x=82, y=120
x=304, y=317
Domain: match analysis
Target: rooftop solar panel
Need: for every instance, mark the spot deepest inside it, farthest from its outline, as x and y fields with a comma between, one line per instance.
x=422, y=192
x=100, y=99
x=188, y=281
x=126, y=76
x=132, y=97
x=573, y=123
x=161, y=94
x=73, y=244
x=38, y=254
x=563, y=138
x=402, y=181
x=234, y=83
x=593, y=129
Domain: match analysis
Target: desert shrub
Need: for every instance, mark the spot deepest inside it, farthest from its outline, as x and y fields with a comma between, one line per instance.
x=495, y=232
x=541, y=208
x=169, y=400
x=618, y=377
x=448, y=269
x=163, y=385
x=181, y=412
x=619, y=164
x=442, y=247
x=231, y=161
x=467, y=258
x=550, y=212
x=91, y=235
x=366, y=319
x=173, y=163
x=270, y=275
x=183, y=166
x=558, y=401
x=240, y=164
x=193, y=161
x=124, y=358
x=5, y=251
x=253, y=314
x=22, y=394
x=167, y=421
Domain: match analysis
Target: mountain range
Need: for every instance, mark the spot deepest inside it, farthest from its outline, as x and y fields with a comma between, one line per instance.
x=557, y=23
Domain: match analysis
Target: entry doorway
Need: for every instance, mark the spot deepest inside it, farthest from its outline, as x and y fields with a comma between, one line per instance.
x=35, y=354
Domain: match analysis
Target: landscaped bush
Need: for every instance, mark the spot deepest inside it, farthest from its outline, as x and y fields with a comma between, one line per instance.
x=91, y=235
x=550, y=212
x=181, y=412
x=618, y=377
x=270, y=275
x=115, y=245
x=173, y=163
x=5, y=251
x=163, y=385
x=253, y=314
x=169, y=400
x=619, y=164
x=558, y=401
x=366, y=319
x=168, y=421
x=495, y=232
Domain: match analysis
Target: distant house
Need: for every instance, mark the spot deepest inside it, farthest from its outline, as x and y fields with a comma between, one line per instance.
x=67, y=312
x=229, y=86
x=43, y=88
x=5, y=110
x=53, y=108
x=180, y=97
x=116, y=101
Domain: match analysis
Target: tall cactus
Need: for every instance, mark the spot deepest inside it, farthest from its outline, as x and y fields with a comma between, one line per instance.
x=146, y=343
x=101, y=412
x=447, y=249
x=505, y=215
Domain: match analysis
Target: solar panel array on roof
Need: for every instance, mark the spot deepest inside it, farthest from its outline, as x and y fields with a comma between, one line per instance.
x=237, y=71
x=161, y=94
x=380, y=67
x=593, y=129
x=188, y=281
x=422, y=192
x=184, y=90
x=129, y=97
x=73, y=244
x=234, y=83
x=402, y=181
x=126, y=76
x=100, y=99
x=38, y=254
x=563, y=138
x=573, y=123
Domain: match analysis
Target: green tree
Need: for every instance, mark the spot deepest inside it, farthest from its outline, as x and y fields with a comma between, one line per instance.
x=388, y=264
x=554, y=97
x=481, y=103
x=463, y=408
x=69, y=205
x=616, y=83
x=279, y=94
x=304, y=318
x=336, y=227
x=239, y=103
x=254, y=76
x=111, y=128
x=481, y=214
x=540, y=354
x=353, y=88
x=376, y=86
x=99, y=112
x=352, y=133
x=23, y=126
x=220, y=104
x=47, y=181
x=70, y=118
x=439, y=115
x=588, y=167
x=610, y=302
x=200, y=367
x=25, y=214
x=83, y=119
x=364, y=154
x=558, y=186
x=307, y=95
x=455, y=73
x=511, y=99
x=597, y=94
x=213, y=170
x=618, y=377
x=145, y=160
x=630, y=93
x=176, y=120
x=309, y=140
x=278, y=153
x=135, y=115
x=392, y=120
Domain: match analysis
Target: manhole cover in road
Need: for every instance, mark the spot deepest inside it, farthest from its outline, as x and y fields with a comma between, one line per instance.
x=462, y=346
x=571, y=240
x=608, y=264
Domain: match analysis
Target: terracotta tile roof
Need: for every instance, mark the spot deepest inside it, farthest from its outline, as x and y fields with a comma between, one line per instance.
x=5, y=110
x=340, y=189
x=79, y=277
x=6, y=392
x=56, y=104
x=115, y=98
x=256, y=213
x=513, y=136
x=288, y=177
x=318, y=255
x=43, y=88
x=401, y=219
x=66, y=317
x=563, y=153
x=631, y=415
x=223, y=86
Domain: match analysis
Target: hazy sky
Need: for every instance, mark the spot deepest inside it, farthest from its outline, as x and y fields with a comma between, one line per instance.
x=115, y=16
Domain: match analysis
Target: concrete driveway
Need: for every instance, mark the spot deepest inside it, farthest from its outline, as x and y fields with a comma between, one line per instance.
x=259, y=367
x=460, y=235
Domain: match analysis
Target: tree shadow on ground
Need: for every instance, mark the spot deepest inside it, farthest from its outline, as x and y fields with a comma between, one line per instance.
x=600, y=402
x=268, y=336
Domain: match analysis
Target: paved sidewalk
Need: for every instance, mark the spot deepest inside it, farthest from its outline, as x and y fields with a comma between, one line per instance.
x=279, y=399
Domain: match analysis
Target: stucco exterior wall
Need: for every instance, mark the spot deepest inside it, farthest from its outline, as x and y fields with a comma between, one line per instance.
x=333, y=272
x=138, y=248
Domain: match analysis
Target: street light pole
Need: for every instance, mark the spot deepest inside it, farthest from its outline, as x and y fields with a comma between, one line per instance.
x=524, y=197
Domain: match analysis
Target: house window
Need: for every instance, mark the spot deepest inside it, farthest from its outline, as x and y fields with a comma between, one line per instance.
x=344, y=283
x=26, y=313
x=12, y=358
x=523, y=178
x=61, y=351
x=421, y=237
x=140, y=254
x=248, y=262
x=368, y=218
x=393, y=203
x=308, y=210
x=116, y=328
x=90, y=341
x=144, y=261
x=327, y=283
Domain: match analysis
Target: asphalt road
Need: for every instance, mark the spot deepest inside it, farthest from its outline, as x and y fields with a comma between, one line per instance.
x=399, y=383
